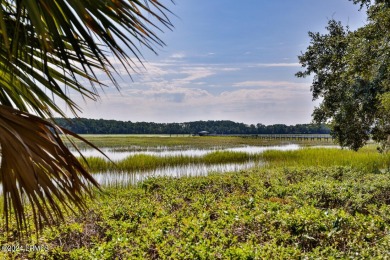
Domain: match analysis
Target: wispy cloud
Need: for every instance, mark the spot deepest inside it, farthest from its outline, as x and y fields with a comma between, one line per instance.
x=167, y=93
x=178, y=55
x=172, y=104
x=230, y=69
x=272, y=84
x=178, y=89
x=195, y=73
x=160, y=75
x=282, y=64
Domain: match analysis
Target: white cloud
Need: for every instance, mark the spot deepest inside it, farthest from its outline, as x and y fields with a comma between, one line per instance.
x=159, y=75
x=166, y=93
x=282, y=64
x=272, y=84
x=178, y=55
x=230, y=69
x=195, y=73
x=175, y=90
x=179, y=104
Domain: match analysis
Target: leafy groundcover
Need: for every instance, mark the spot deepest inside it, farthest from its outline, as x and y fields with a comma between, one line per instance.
x=272, y=213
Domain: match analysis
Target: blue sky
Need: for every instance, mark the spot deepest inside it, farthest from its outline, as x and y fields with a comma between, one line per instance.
x=226, y=60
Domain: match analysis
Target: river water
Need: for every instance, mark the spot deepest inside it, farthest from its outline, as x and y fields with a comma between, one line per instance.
x=129, y=178
x=164, y=151
x=126, y=178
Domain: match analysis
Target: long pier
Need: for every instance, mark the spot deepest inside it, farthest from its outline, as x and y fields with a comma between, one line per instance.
x=296, y=137
x=299, y=137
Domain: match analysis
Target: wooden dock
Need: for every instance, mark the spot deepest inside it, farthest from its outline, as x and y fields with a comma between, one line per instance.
x=297, y=137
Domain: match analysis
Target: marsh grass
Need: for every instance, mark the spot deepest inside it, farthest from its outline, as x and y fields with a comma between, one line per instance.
x=124, y=141
x=367, y=158
x=142, y=162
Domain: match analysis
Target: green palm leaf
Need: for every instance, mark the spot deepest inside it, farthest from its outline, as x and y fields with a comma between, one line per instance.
x=48, y=48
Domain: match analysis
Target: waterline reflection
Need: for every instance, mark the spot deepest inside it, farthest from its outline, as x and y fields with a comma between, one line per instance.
x=131, y=178
x=190, y=170
x=169, y=152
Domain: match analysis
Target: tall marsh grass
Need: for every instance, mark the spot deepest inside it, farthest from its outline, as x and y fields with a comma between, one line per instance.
x=142, y=162
x=366, y=159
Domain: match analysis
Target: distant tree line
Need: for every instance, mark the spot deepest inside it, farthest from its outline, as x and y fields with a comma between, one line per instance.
x=101, y=126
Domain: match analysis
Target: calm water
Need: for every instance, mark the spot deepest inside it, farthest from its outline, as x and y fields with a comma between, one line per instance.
x=131, y=178
x=126, y=178
x=168, y=152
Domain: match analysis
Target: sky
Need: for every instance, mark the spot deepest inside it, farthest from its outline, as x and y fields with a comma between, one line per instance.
x=225, y=60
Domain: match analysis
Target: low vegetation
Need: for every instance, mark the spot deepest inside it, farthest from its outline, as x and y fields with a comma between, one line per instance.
x=278, y=213
x=311, y=203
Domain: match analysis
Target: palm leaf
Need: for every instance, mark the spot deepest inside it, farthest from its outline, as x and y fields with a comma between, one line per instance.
x=54, y=44
x=47, y=50
x=37, y=165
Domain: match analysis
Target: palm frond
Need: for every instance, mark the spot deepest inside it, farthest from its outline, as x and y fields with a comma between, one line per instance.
x=55, y=45
x=37, y=168
x=48, y=48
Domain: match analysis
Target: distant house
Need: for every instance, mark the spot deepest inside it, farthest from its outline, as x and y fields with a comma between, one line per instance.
x=203, y=133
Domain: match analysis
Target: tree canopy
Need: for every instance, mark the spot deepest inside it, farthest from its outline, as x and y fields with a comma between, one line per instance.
x=352, y=77
x=100, y=126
